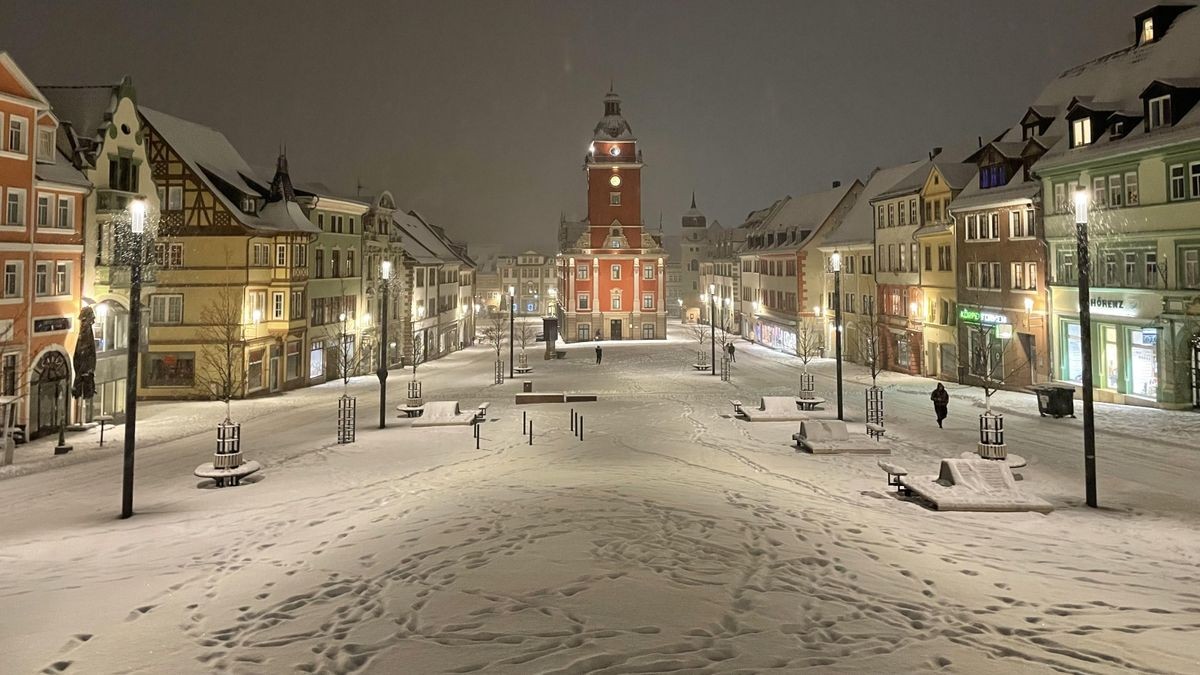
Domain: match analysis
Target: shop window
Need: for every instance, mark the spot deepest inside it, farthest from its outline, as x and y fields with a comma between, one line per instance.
x=169, y=369
x=647, y=331
x=1074, y=353
x=254, y=375
x=585, y=332
x=293, y=360
x=1143, y=363
x=1112, y=358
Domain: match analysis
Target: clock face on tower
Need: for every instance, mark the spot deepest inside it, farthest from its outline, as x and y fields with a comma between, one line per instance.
x=615, y=180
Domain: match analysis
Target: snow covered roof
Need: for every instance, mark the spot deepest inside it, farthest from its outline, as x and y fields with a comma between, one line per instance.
x=1120, y=78
x=62, y=171
x=84, y=113
x=612, y=127
x=797, y=218
x=859, y=224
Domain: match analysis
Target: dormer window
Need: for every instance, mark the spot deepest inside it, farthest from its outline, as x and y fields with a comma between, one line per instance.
x=45, y=147
x=1081, y=132
x=1160, y=112
x=249, y=204
x=992, y=176
x=1116, y=129
x=1147, y=34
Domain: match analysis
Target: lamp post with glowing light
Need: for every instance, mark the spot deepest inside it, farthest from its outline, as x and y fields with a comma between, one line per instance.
x=835, y=261
x=137, y=226
x=385, y=278
x=1085, y=338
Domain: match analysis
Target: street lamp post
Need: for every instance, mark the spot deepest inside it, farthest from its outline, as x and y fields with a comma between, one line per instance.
x=1085, y=338
x=137, y=225
x=385, y=277
x=712, y=324
x=512, y=309
x=835, y=261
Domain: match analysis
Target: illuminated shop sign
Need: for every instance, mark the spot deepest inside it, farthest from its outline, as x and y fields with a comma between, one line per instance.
x=977, y=316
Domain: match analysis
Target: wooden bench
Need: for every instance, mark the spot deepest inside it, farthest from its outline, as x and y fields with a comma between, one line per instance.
x=737, y=408
x=521, y=370
x=700, y=366
x=481, y=412
x=894, y=473
x=809, y=403
x=874, y=430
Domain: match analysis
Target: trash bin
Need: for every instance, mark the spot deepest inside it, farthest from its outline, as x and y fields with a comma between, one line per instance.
x=527, y=387
x=1057, y=400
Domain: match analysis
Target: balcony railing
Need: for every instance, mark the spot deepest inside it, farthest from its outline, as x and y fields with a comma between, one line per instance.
x=113, y=201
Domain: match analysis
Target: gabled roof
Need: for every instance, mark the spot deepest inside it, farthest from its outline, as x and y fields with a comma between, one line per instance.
x=859, y=224
x=30, y=89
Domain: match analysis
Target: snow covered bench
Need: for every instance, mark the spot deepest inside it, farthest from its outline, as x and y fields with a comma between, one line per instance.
x=829, y=437
x=973, y=485
x=737, y=407
x=522, y=370
x=700, y=366
x=809, y=403
x=227, y=475
x=481, y=412
x=894, y=473
x=409, y=410
x=775, y=409
x=443, y=413
x=874, y=430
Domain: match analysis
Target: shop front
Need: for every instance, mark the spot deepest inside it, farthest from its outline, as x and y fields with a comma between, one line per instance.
x=776, y=335
x=1128, y=363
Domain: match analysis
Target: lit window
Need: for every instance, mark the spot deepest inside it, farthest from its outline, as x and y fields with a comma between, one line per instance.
x=615, y=271
x=45, y=149
x=277, y=305
x=175, y=198
x=1081, y=132
x=1147, y=30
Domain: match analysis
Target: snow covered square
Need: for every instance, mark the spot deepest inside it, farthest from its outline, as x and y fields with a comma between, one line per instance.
x=674, y=538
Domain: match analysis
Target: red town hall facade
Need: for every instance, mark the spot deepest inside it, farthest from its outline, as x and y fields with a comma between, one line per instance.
x=611, y=271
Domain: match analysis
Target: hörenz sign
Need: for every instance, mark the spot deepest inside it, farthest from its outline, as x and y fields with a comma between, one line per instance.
x=979, y=316
x=1114, y=306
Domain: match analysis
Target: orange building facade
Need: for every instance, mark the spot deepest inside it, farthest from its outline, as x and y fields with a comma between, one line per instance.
x=41, y=256
x=612, y=273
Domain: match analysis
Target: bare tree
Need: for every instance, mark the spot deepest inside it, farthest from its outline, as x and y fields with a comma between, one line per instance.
x=993, y=361
x=221, y=374
x=699, y=333
x=493, y=330
x=525, y=335
x=866, y=341
x=808, y=340
x=351, y=357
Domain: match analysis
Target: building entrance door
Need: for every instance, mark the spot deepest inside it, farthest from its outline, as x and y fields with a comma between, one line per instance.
x=274, y=368
x=614, y=329
x=49, y=385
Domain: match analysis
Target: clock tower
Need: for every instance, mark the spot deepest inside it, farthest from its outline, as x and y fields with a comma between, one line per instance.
x=612, y=271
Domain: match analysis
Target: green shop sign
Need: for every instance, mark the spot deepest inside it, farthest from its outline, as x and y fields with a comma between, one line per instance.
x=970, y=315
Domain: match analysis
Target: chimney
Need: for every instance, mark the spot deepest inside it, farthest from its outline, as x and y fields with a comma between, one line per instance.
x=937, y=150
x=837, y=183
x=979, y=140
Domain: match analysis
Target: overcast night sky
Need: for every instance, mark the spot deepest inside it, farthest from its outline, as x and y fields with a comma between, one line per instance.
x=478, y=114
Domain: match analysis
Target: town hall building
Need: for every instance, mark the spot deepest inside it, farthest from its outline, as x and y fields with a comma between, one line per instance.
x=611, y=271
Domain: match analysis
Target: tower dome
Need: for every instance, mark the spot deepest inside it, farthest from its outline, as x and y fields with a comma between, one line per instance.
x=612, y=127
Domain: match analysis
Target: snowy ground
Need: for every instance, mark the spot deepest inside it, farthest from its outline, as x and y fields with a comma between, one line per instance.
x=673, y=539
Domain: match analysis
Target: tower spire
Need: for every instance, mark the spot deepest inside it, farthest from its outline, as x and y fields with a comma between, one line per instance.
x=693, y=199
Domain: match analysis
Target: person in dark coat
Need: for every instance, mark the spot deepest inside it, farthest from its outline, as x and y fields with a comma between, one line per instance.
x=729, y=348
x=599, y=354
x=941, y=402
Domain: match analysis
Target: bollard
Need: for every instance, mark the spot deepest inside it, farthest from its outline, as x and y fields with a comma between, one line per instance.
x=572, y=421
x=476, y=436
x=531, y=432
x=522, y=421
x=581, y=427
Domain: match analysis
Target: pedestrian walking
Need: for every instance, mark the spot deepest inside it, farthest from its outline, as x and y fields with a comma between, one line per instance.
x=599, y=354
x=729, y=349
x=941, y=401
